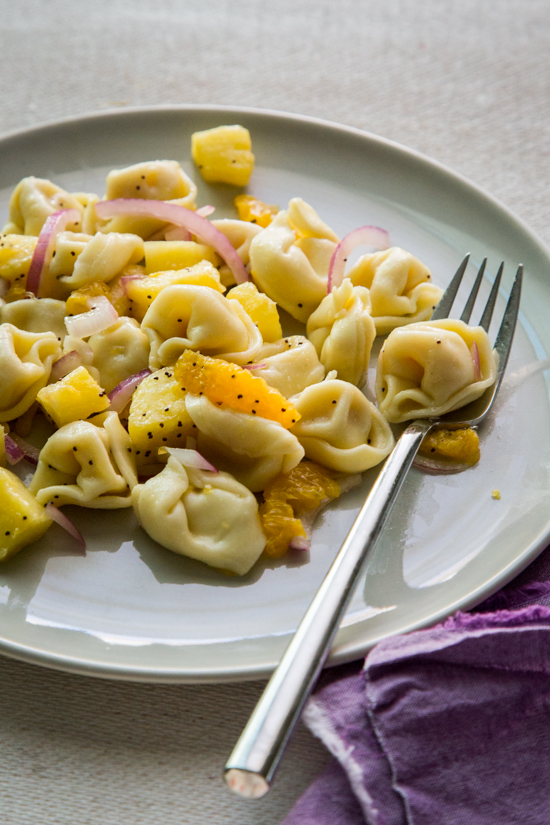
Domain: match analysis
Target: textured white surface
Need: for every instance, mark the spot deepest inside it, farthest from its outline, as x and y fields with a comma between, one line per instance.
x=464, y=82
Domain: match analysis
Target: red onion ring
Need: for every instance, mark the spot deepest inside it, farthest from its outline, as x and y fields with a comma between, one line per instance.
x=64, y=522
x=64, y=365
x=254, y=366
x=122, y=393
x=14, y=453
x=205, y=211
x=43, y=251
x=180, y=216
x=299, y=543
x=363, y=236
x=191, y=458
x=101, y=316
x=31, y=453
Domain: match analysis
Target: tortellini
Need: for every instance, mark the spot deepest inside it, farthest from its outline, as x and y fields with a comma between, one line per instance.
x=430, y=368
x=342, y=331
x=87, y=465
x=290, y=259
x=200, y=318
x=291, y=365
x=204, y=515
x=251, y=448
x=340, y=428
x=103, y=257
x=400, y=288
x=162, y=180
x=26, y=360
x=120, y=351
x=36, y=315
x=35, y=199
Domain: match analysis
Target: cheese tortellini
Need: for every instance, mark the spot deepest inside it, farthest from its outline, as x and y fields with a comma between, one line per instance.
x=342, y=331
x=204, y=515
x=161, y=180
x=340, y=428
x=119, y=351
x=240, y=235
x=35, y=199
x=253, y=449
x=87, y=465
x=26, y=360
x=289, y=365
x=290, y=259
x=36, y=315
x=102, y=257
x=197, y=317
x=400, y=288
x=430, y=368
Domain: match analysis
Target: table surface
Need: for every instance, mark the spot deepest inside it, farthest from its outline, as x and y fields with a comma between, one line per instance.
x=464, y=82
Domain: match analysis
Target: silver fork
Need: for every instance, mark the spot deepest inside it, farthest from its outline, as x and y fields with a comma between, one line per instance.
x=252, y=765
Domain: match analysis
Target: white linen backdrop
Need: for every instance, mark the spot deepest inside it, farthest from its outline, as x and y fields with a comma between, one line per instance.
x=463, y=81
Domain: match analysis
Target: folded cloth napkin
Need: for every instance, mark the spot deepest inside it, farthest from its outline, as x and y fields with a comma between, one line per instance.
x=445, y=726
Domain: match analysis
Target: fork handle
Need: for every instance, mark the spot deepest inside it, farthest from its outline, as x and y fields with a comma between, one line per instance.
x=255, y=758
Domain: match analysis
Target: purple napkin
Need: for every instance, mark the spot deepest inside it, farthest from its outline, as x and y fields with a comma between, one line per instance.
x=446, y=726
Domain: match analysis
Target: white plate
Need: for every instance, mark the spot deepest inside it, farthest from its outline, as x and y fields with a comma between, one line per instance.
x=133, y=610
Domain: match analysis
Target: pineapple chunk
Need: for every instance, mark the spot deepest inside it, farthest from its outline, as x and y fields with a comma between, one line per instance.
x=261, y=309
x=223, y=154
x=143, y=291
x=158, y=417
x=162, y=255
x=74, y=397
x=16, y=253
x=22, y=519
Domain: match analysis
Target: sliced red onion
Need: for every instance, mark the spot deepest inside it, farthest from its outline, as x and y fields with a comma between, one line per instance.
x=31, y=453
x=122, y=393
x=439, y=466
x=254, y=366
x=177, y=233
x=14, y=453
x=205, y=211
x=363, y=236
x=299, y=543
x=475, y=361
x=102, y=316
x=191, y=458
x=43, y=251
x=64, y=522
x=64, y=365
x=179, y=215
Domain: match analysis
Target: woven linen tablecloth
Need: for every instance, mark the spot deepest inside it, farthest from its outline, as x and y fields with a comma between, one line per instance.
x=464, y=82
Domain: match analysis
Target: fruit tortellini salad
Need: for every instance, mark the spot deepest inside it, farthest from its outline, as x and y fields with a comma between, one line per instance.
x=145, y=338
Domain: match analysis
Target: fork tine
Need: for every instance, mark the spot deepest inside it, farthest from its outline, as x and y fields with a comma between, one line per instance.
x=489, y=307
x=473, y=294
x=444, y=306
x=505, y=335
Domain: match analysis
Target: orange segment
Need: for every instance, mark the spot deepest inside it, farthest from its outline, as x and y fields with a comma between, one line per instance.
x=289, y=495
x=261, y=309
x=233, y=386
x=461, y=445
x=254, y=210
x=77, y=302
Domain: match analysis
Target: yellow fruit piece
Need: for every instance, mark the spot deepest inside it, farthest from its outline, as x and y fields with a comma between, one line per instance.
x=163, y=255
x=459, y=445
x=16, y=253
x=158, y=417
x=77, y=302
x=254, y=210
x=289, y=495
x=76, y=396
x=22, y=519
x=234, y=387
x=119, y=298
x=496, y=495
x=223, y=154
x=143, y=291
x=261, y=309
